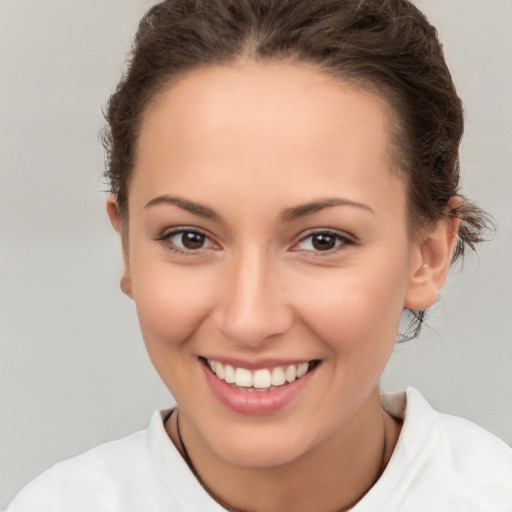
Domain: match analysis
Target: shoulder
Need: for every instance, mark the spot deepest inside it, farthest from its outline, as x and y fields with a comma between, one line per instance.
x=470, y=449
x=107, y=477
x=449, y=461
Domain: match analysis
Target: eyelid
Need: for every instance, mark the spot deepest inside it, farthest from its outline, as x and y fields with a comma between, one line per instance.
x=339, y=235
x=165, y=239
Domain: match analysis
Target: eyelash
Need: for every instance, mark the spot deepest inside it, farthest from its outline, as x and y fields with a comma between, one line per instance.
x=342, y=241
x=165, y=240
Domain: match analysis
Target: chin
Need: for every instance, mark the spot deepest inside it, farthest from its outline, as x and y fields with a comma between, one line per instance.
x=261, y=450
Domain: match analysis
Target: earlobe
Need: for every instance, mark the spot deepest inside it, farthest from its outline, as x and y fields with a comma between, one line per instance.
x=119, y=225
x=126, y=282
x=433, y=263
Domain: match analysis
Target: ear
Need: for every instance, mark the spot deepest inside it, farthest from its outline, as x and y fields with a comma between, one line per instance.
x=120, y=225
x=431, y=267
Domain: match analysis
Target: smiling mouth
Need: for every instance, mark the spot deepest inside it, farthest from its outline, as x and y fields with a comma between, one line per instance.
x=263, y=379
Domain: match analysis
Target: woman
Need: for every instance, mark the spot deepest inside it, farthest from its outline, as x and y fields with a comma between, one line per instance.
x=284, y=181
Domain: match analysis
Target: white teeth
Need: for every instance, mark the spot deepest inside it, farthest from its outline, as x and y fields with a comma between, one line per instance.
x=219, y=370
x=278, y=377
x=243, y=377
x=302, y=369
x=291, y=373
x=263, y=378
x=229, y=374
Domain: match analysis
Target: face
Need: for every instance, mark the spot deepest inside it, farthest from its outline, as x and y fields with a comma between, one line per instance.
x=268, y=255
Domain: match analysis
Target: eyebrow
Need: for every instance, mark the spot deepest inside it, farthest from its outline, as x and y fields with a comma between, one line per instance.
x=288, y=215
x=297, y=212
x=190, y=206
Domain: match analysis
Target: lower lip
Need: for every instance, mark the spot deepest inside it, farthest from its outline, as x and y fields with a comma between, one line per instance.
x=256, y=403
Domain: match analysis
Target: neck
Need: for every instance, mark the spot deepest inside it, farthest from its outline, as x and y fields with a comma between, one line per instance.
x=333, y=476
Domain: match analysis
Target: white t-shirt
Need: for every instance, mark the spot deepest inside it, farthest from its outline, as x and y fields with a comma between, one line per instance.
x=440, y=463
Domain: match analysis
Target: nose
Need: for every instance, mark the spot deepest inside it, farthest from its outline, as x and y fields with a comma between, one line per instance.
x=252, y=308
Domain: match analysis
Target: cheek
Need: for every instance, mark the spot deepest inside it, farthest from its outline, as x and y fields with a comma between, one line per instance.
x=171, y=303
x=355, y=309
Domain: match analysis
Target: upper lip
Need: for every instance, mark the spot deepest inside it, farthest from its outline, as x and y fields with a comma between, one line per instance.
x=256, y=364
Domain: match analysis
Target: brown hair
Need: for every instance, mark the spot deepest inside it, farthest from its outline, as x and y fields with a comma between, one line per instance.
x=387, y=46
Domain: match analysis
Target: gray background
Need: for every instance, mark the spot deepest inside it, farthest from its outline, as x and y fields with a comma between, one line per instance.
x=73, y=369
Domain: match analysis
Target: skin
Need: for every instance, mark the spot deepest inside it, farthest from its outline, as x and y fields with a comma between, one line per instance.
x=260, y=139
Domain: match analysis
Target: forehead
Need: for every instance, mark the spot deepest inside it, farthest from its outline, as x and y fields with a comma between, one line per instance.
x=272, y=124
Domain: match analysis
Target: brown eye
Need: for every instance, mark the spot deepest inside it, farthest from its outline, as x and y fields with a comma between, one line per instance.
x=192, y=240
x=187, y=241
x=323, y=241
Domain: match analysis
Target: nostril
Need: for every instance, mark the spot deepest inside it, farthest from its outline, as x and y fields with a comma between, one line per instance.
x=252, y=327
